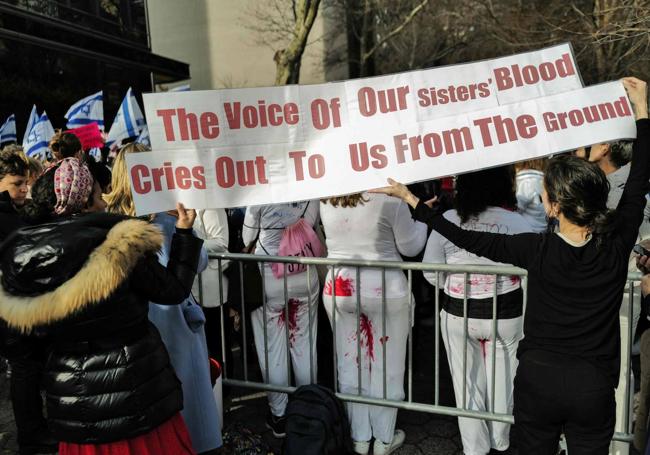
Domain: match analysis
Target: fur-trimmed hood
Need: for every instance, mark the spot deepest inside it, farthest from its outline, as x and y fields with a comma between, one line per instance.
x=50, y=272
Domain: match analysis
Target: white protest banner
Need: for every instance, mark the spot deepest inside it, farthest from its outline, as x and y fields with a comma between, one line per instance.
x=241, y=147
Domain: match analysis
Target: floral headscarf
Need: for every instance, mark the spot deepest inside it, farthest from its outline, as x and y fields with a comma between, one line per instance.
x=73, y=185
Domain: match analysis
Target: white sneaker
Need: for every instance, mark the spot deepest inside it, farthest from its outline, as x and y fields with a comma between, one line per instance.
x=382, y=448
x=361, y=447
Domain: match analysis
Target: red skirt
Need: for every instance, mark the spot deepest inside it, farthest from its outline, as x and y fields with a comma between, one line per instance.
x=169, y=438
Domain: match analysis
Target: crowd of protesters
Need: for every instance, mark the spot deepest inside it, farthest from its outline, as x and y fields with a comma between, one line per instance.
x=101, y=310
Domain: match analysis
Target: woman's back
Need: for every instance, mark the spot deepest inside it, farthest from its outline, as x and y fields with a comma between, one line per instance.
x=270, y=220
x=439, y=250
x=379, y=228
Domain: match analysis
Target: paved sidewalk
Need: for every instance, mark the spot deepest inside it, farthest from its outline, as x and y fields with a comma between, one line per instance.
x=425, y=433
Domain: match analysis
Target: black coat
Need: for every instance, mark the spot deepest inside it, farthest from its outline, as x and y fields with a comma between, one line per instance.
x=11, y=345
x=86, y=283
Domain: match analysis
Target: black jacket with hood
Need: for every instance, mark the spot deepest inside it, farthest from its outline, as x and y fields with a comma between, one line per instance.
x=86, y=283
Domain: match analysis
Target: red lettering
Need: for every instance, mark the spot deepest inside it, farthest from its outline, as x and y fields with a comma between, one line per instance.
x=199, y=177
x=400, y=147
x=260, y=163
x=183, y=178
x=526, y=126
x=209, y=125
x=297, y=163
x=291, y=113
x=167, y=115
x=274, y=110
x=503, y=79
x=225, y=169
x=232, y=114
x=367, y=104
x=138, y=173
x=157, y=174
x=484, y=128
x=188, y=125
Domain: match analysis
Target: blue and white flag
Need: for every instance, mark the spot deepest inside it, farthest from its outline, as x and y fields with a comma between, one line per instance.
x=37, y=144
x=96, y=153
x=8, y=130
x=128, y=121
x=33, y=118
x=87, y=110
x=180, y=88
x=143, y=138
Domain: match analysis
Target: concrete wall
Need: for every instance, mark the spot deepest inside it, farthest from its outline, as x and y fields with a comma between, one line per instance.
x=215, y=38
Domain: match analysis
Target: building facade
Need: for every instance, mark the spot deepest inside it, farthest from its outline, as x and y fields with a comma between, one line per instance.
x=54, y=52
x=230, y=43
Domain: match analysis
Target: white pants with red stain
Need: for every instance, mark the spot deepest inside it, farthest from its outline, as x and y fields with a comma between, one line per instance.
x=368, y=421
x=298, y=298
x=479, y=436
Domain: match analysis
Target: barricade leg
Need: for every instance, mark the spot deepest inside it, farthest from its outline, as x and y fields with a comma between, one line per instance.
x=640, y=429
x=625, y=387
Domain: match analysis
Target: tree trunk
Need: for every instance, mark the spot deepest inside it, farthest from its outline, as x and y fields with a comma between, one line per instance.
x=287, y=61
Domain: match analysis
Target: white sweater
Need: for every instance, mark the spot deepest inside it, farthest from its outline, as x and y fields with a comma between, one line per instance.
x=441, y=251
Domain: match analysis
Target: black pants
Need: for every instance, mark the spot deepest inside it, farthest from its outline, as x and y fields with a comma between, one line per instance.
x=213, y=335
x=25, y=389
x=554, y=394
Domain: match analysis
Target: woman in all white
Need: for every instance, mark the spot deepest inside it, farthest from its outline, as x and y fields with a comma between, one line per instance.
x=374, y=227
x=484, y=201
x=263, y=227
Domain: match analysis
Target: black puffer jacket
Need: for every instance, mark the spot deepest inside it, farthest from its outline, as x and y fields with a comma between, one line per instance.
x=85, y=283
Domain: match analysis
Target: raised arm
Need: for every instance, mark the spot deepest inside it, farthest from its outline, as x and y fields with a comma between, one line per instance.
x=630, y=208
x=171, y=284
x=509, y=249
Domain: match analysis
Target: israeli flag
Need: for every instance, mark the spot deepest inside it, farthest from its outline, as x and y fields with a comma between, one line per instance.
x=181, y=88
x=8, y=130
x=128, y=121
x=39, y=138
x=87, y=110
x=33, y=118
x=143, y=138
x=96, y=153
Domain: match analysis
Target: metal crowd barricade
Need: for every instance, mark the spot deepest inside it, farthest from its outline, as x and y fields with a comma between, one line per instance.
x=461, y=410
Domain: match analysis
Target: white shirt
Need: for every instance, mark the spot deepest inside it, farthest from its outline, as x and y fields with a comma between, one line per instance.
x=212, y=226
x=272, y=219
x=379, y=229
x=439, y=250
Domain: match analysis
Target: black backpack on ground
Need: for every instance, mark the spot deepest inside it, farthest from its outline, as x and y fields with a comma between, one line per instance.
x=316, y=423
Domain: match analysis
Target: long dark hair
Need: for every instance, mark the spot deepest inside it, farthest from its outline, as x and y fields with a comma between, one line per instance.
x=581, y=189
x=477, y=191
